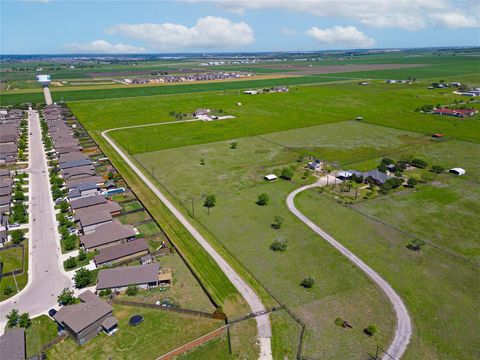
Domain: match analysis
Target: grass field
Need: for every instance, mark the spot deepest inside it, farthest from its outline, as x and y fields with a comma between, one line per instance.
x=41, y=332
x=12, y=259
x=159, y=333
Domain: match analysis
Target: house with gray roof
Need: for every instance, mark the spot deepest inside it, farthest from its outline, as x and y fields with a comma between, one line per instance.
x=377, y=176
x=13, y=345
x=89, y=221
x=87, y=319
x=118, y=279
x=111, y=233
x=87, y=201
x=75, y=163
x=121, y=252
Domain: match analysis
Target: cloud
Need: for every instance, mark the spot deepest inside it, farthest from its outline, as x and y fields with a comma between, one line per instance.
x=455, y=20
x=208, y=32
x=104, y=47
x=339, y=36
x=288, y=31
x=405, y=14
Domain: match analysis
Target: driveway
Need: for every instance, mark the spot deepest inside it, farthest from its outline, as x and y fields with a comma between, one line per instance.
x=403, y=331
x=46, y=277
x=264, y=331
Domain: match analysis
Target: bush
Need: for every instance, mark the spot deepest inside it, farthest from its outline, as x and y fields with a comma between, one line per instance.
x=24, y=320
x=66, y=297
x=286, y=174
x=106, y=292
x=132, y=290
x=308, y=283
x=8, y=290
x=437, y=169
x=64, y=207
x=278, y=245
x=263, y=199
x=71, y=262
x=277, y=222
x=233, y=145
x=70, y=242
x=82, y=255
x=17, y=236
x=416, y=245
x=387, y=161
x=419, y=163
x=412, y=182
x=370, y=330
x=82, y=278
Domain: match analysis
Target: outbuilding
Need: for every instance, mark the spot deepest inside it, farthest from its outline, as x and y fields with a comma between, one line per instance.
x=457, y=171
x=270, y=177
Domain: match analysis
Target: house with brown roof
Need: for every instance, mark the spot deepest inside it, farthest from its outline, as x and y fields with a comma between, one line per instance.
x=87, y=319
x=87, y=201
x=71, y=183
x=118, y=279
x=111, y=233
x=13, y=345
x=121, y=252
x=90, y=220
x=110, y=206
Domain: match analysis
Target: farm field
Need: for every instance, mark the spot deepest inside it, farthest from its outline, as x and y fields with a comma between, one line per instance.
x=138, y=342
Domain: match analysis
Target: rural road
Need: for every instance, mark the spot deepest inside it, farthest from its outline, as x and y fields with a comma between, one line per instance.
x=403, y=331
x=46, y=278
x=263, y=321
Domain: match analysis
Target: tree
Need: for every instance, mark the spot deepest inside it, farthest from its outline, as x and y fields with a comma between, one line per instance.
x=8, y=290
x=416, y=245
x=70, y=242
x=66, y=297
x=419, y=163
x=210, y=202
x=64, y=207
x=132, y=290
x=412, y=182
x=71, y=262
x=17, y=236
x=12, y=318
x=233, y=145
x=437, y=169
x=308, y=282
x=286, y=174
x=82, y=255
x=24, y=320
x=82, y=278
x=382, y=168
x=263, y=199
x=357, y=178
x=278, y=245
x=387, y=161
x=19, y=196
x=202, y=161
x=277, y=222
x=370, y=330
x=110, y=175
x=106, y=292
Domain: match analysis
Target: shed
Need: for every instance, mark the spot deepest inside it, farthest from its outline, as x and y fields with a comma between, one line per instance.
x=457, y=171
x=270, y=177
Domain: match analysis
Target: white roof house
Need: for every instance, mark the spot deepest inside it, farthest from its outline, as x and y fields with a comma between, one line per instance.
x=270, y=177
x=457, y=171
x=344, y=175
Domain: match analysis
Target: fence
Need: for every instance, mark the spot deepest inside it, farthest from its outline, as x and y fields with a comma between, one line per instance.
x=17, y=271
x=55, y=341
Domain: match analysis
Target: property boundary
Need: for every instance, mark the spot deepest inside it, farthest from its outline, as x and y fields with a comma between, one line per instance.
x=18, y=271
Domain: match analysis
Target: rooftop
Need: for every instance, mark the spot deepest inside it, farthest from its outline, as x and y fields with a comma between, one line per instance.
x=130, y=275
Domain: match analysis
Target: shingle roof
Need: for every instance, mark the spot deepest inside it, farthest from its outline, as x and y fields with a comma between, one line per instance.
x=75, y=163
x=92, y=218
x=115, y=252
x=77, y=317
x=129, y=275
x=12, y=344
x=85, y=179
x=87, y=201
x=107, y=233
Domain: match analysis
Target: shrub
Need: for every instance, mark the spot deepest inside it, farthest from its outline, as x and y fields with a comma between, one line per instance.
x=370, y=330
x=66, y=297
x=263, y=199
x=82, y=255
x=71, y=262
x=19, y=196
x=8, y=290
x=339, y=322
x=308, y=282
x=412, y=182
x=387, y=161
x=24, y=320
x=278, y=245
x=132, y=290
x=17, y=236
x=277, y=222
x=416, y=245
x=233, y=145
x=286, y=174
x=64, y=207
x=419, y=163
x=437, y=169
x=106, y=292
x=82, y=278
x=70, y=242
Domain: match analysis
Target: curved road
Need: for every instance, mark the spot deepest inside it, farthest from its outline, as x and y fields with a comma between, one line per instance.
x=263, y=321
x=46, y=278
x=404, y=327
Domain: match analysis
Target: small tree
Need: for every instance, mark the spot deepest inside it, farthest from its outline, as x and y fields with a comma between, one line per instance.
x=202, y=161
x=8, y=290
x=308, y=282
x=416, y=245
x=387, y=161
x=82, y=255
x=132, y=290
x=263, y=199
x=419, y=163
x=82, y=278
x=24, y=320
x=64, y=207
x=17, y=236
x=286, y=174
x=106, y=292
x=278, y=245
x=210, y=202
x=71, y=262
x=382, y=168
x=412, y=182
x=233, y=145
x=437, y=169
x=370, y=330
x=19, y=196
x=70, y=242
x=110, y=175
x=12, y=318
x=66, y=297
x=277, y=222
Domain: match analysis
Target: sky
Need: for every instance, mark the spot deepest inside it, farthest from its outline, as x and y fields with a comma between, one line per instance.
x=109, y=26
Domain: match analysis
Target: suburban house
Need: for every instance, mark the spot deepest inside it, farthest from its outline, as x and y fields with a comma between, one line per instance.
x=75, y=163
x=87, y=201
x=121, y=252
x=110, y=206
x=76, y=155
x=78, y=172
x=83, y=190
x=143, y=276
x=71, y=183
x=87, y=319
x=111, y=233
x=13, y=345
x=89, y=221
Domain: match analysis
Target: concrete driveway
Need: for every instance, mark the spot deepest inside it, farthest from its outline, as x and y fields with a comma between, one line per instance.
x=46, y=277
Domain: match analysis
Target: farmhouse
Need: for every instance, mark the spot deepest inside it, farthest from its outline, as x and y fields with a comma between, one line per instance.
x=377, y=176
x=315, y=165
x=251, y=92
x=118, y=279
x=107, y=234
x=126, y=251
x=12, y=345
x=86, y=320
x=89, y=221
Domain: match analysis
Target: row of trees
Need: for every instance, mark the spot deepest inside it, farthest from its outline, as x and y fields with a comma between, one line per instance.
x=14, y=319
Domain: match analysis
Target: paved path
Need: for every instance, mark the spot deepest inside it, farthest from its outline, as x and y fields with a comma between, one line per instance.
x=404, y=327
x=46, y=277
x=263, y=322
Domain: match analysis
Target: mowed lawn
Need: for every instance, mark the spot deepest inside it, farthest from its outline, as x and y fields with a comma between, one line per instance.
x=159, y=333
x=12, y=260
x=439, y=290
x=391, y=105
